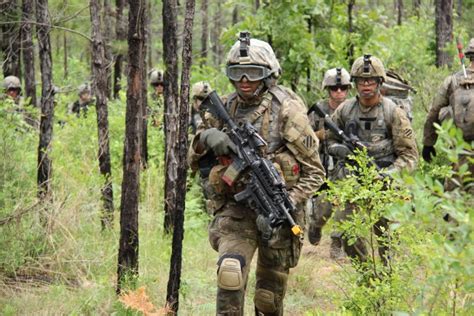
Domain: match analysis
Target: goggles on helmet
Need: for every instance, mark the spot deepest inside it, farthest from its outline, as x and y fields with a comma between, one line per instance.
x=252, y=72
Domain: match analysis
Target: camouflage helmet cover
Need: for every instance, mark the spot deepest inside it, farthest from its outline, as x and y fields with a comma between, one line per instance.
x=156, y=76
x=368, y=66
x=469, y=52
x=11, y=82
x=201, y=89
x=336, y=77
x=84, y=88
x=259, y=53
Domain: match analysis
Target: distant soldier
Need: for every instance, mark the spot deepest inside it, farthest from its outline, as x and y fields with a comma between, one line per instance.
x=199, y=92
x=12, y=89
x=155, y=110
x=337, y=82
x=398, y=90
x=455, y=99
x=385, y=129
x=81, y=106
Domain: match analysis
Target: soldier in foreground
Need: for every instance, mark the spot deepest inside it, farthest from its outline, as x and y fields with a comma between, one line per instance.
x=81, y=106
x=455, y=99
x=280, y=118
x=383, y=127
x=337, y=82
x=157, y=106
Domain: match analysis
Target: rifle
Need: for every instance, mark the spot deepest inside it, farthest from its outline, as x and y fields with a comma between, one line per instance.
x=265, y=192
x=461, y=57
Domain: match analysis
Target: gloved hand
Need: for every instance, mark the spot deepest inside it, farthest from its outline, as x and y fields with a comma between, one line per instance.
x=321, y=134
x=218, y=141
x=340, y=151
x=428, y=153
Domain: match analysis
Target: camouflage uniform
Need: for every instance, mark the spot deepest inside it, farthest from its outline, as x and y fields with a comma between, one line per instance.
x=156, y=109
x=455, y=99
x=398, y=90
x=280, y=117
x=80, y=106
x=321, y=209
x=389, y=136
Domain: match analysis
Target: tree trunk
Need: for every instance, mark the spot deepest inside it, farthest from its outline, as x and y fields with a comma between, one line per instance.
x=416, y=7
x=99, y=86
x=28, y=49
x=172, y=296
x=144, y=141
x=235, y=14
x=216, y=33
x=444, y=31
x=128, y=247
x=350, y=30
x=170, y=91
x=107, y=40
x=11, y=38
x=257, y=4
x=47, y=99
x=120, y=36
x=205, y=31
x=399, y=12
x=65, y=51
x=459, y=9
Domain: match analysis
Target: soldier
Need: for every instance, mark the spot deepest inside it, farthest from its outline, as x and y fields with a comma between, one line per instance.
x=85, y=100
x=383, y=126
x=156, y=110
x=199, y=92
x=280, y=117
x=455, y=99
x=12, y=88
x=337, y=82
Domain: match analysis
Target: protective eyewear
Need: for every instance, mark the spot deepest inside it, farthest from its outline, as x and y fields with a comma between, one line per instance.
x=251, y=72
x=366, y=81
x=335, y=88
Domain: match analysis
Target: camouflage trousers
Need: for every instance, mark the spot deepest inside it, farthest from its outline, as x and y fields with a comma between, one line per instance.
x=358, y=249
x=233, y=232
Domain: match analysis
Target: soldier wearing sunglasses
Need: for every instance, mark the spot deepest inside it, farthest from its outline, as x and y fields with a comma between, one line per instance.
x=280, y=118
x=337, y=83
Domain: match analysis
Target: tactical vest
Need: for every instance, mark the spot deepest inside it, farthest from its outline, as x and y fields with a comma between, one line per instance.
x=462, y=102
x=373, y=128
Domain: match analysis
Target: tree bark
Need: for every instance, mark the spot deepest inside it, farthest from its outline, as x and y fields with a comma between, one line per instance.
x=399, y=12
x=170, y=91
x=47, y=100
x=107, y=40
x=99, y=86
x=216, y=47
x=350, y=30
x=444, y=31
x=172, y=296
x=235, y=14
x=144, y=141
x=120, y=34
x=416, y=7
x=205, y=31
x=28, y=49
x=129, y=242
x=11, y=38
x=459, y=9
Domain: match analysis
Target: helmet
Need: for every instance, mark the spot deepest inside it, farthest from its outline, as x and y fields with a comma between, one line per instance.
x=469, y=52
x=247, y=52
x=156, y=77
x=336, y=77
x=11, y=82
x=368, y=66
x=201, y=89
x=84, y=88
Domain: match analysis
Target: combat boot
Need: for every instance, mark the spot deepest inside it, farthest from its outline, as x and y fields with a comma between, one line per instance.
x=335, y=251
x=314, y=234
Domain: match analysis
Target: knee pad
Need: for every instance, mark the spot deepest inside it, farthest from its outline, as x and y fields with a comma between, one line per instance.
x=265, y=301
x=229, y=274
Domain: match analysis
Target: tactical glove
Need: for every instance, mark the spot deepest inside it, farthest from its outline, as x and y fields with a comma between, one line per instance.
x=218, y=141
x=340, y=151
x=428, y=153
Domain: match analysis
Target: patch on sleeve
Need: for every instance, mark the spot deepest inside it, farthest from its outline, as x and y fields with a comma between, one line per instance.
x=407, y=132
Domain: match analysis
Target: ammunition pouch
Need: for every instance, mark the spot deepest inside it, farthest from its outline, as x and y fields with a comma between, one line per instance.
x=288, y=167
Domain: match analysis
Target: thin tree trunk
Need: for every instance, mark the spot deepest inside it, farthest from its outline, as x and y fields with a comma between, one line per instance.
x=120, y=36
x=99, y=85
x=28, y=49
x=216, y=47
x=144, y=141
x=416, y=7
x=205, y=31
x=235, y=14
x=65, y=58
x=47, y=99
x=308, y=70
x=459, y=8
x=107, y=40
x=170, y=91
x=444, y=31
x=399, y=12
x=350, y=30
x=172, y=296
x=129, y=242
x=11, y=39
